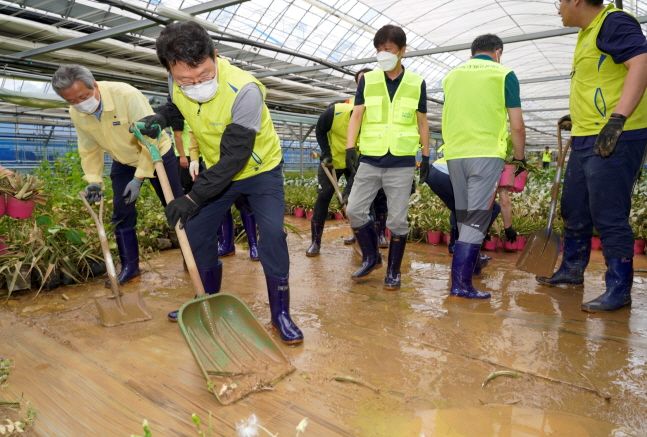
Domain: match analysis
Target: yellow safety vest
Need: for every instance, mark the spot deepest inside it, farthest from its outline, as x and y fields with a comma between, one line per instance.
x=547, y=157
x=390, y=126
x=209, y=120
x=597, y=83
x=475, y=118
x=338, y=133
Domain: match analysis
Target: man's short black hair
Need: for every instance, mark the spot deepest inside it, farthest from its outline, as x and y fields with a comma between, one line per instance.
x=362, y=71
x=486, y=43
x=595, y=2
x=186, y=42
x=390, y=33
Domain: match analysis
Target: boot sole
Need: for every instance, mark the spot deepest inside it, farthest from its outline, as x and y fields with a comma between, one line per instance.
x=361, y=278
x=286, y=342
x=312, y=255
x=594, y=311
x=564, y=286
x=391, y=287
x=106, y=283
x=227, y=254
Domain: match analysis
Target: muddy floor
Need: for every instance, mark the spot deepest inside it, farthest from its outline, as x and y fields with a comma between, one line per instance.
x=422, y=358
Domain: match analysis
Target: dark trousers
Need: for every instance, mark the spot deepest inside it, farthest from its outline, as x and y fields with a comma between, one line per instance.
x=265, y=195
x=545, y=164
x=125, y=216
x=185, y=177
x=597, y=192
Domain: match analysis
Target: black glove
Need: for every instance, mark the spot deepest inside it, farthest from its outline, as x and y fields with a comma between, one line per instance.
x=352, y=160
x=565, y=122
x=181, y=209
x=510, y=234
x=327, y=160
x=521, y=165
x=607, y=139
x=150, y=121
x=93, y=193
x=424, y=170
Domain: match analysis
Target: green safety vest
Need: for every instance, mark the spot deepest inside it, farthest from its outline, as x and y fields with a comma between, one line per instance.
x=209, y=120
x=597, y=83
x=186, y=140
x=338, y=133
x=475, y=118
x=390, y=126
x=547, y=157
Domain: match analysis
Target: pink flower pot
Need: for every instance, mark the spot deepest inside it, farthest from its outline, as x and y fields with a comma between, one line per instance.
x=596, y=243
x=387, y=234
x=507, y=176
x=639, y=247
x=339, y=216
x=446, y=237
x=434, y=237
x=489, y=245
x=299, y=212
x=19, y=209
x=510, y=247
x=309, y=214
x=3, y=204
x=521, y=242
x=520, y=182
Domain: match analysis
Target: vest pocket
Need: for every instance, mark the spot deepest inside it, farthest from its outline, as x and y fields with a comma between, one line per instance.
x=404, y=110
x=374, y=112
x=406, y=144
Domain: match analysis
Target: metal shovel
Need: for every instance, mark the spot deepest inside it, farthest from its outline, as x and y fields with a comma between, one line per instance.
x=119, y=308
x=542, y=249
x=332, y=177
x=235, y=354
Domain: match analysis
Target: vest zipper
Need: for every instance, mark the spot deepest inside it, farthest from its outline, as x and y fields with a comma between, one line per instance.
x=199, y=108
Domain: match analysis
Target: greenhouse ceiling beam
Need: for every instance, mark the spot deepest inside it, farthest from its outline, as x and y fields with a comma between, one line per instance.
x=435, y=51
x=119, y=30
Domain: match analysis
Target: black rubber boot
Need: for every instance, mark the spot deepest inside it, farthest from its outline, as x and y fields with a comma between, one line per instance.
x=349, y=241
x=577, y=252
x=618, y=279
x=371, y=258
x=396, y=252
x=380, y=228
x=481, y=262
x=128, y=255
x=316, y=230
x=278, y=292
x=226, y=246
x=453, y=236
x=249, y=223
x=211, y=281
x=463, y=262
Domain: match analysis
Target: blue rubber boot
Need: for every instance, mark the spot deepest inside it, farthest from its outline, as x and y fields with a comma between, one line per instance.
x=481, y=261
x=211, y=281
x=618, y=279
x=453, y=236
x=316, y=231
x=396, y=253
x=249, y=223
x=278, y=292
x=577, y=252
x=380, y=228
x=226, y=245
x=371, y=258
x=128, y=255
x=463, y=263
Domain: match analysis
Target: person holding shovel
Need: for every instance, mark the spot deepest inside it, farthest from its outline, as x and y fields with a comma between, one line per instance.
x=101, y=113
x=390, y=108
x=609, y=137
x=225, y=107
x=475, y=148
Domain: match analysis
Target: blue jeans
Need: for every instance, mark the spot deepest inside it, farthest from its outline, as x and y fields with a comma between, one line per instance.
x=597, y=192
x=266, y=199
x=125, y=216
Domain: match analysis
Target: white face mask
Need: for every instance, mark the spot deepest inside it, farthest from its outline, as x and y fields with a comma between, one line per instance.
x=88, y=106
x=201, y=92
x=386, y=60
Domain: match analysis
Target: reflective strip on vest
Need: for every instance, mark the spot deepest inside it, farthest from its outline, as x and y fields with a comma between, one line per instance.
x=338, y=133
x=390, y=126
x=597, y=83
x=475, y=118
x=209, y=120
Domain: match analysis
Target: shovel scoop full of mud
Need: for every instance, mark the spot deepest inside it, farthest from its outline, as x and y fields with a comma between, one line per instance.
x=234, y=352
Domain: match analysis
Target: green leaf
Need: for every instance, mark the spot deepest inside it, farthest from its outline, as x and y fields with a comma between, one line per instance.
x=73, y=236
x=44, y=220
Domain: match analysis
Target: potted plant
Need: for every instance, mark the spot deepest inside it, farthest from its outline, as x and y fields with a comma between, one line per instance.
x=5, y=187
x=26, y=191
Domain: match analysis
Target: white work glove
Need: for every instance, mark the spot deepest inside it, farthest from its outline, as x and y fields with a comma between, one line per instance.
x=194, y=169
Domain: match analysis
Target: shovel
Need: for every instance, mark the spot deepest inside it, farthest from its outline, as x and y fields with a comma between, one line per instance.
x=119, y=308
x=235, y=354
x=332, y=177
x=542, y=249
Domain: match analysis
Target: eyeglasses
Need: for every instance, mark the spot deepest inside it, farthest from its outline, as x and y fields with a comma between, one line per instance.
x=204, y=78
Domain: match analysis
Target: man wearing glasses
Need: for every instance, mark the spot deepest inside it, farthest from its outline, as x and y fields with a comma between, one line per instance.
x=225, y=108
x=609, y=117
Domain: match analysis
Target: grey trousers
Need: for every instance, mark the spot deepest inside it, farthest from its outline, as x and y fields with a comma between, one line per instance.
x=474, y=181
x=396, y=183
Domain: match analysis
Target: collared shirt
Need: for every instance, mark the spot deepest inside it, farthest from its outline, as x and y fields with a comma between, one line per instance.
x=512, y=88
x=121, y=105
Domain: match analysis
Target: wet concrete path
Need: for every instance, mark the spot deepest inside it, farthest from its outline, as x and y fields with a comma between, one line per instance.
x=427, y=354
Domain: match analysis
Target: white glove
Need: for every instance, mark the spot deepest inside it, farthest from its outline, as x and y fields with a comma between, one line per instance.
x=194, y=169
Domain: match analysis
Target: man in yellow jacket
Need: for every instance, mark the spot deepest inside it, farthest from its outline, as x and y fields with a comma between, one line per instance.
x=225, y=108
x=391, y=110
x=609, y=136
x=102, y=112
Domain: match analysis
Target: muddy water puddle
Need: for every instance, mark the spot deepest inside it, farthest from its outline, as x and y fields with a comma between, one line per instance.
x=427, y=355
